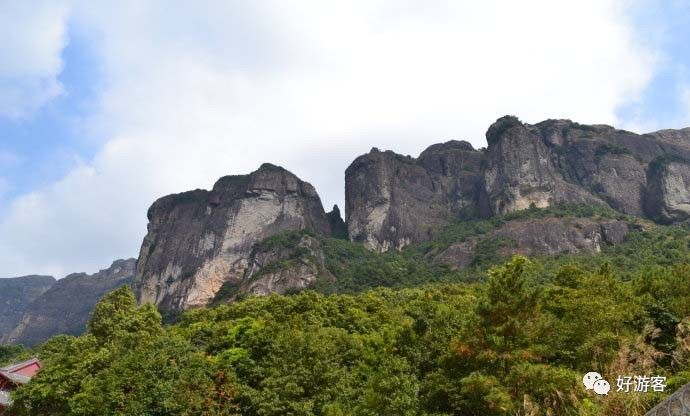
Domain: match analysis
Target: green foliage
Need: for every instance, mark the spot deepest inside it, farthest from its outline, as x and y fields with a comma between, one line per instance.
x=228, y=290
x=285, y=240
x=10, y=353
x=611, y=149
x=487, y=251
x=395, y=334
x=117, y=317
x=659, y=164
x=126, y=364
x=355, y=268
x=464, y=230
x=511, y=346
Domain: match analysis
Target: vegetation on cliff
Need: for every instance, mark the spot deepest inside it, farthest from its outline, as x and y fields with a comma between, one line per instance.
x=517, y=344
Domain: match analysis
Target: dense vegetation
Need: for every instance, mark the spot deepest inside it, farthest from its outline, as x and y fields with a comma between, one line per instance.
x=9, y=353
x=510, y=339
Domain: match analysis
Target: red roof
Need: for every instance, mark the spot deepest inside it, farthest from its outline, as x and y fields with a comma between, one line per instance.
x=15, y=375
x=27, y=368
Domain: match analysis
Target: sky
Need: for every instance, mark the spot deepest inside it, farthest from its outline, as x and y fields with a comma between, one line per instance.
x=104, y=109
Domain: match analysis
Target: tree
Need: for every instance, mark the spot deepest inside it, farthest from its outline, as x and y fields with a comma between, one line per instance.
x=126, y=364
x=507, y=312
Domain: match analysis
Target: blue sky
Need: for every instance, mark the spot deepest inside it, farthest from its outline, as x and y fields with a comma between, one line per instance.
x=662, y=103
x=107, y=109
x=40, y=148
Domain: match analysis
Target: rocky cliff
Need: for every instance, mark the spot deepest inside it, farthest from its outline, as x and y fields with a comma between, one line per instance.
x=16, y=295
x=539, y=237
x=200, y=240
x=393, y=200
x=203, y=246
x=286, y=262
x=66, y=306
x=668, y=190
x=559, y=161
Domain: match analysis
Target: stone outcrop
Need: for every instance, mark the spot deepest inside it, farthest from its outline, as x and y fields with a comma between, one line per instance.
x=336, y=223
x=200, y=240
x=16, y=296
x=393, y=200
x=668, y=199
x=558, y=161
x=200, y=243
x=65, y=308
x=520, y=171
x=542, y=236
x=291, y=263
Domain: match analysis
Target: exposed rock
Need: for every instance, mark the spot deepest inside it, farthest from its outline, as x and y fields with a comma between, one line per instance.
x=559, y=161
x=66, y=307
x=520, y=171
x=458, y=255
x=456, y=167
x=669, y=190
x=544, y=236
x=672, y=136
x=338, y=226
x=385, y=194
x=16, y=295
x=393, y=200
x=614, y=232
x=561, y=235
x=279, y=267
x=199, y=240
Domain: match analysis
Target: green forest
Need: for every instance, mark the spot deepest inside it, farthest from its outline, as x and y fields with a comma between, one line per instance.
x=394, y=334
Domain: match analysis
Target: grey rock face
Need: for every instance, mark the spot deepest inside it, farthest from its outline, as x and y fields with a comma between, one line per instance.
x=456, y=167
x=561, y=161
x=66, y=307
x=669, y=191
x=16, y=295
x=385, y=194
x=520, y=171
x=544, y=236
x=279, y=270
x=335, y=220
x=393, y=200
x=199, y=240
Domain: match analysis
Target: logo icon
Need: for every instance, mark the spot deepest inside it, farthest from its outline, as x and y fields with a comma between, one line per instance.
x=602, y=387
x=594, y=381
x=590, y=378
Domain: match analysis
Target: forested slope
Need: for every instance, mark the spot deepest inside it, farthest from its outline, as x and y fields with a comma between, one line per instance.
x=501, y=336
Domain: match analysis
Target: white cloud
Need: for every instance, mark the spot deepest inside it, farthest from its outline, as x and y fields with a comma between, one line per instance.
x=33, y=35
x=198, y=91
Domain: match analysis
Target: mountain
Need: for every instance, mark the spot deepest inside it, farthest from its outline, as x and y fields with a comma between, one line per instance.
x=16, y=294
x=66, y=305
x=422, y=301
x=394, y=200
x=199, y=240
x=204, y=246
